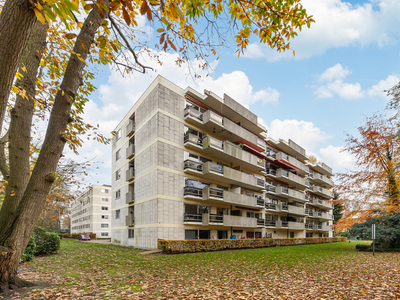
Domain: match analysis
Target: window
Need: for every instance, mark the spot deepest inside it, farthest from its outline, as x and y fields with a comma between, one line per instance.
x=104, y=208
x=105, y=191
x=104, y=217
x=118, y=194
x=292, y=235
x=131, y=233
x=117, y=214
x=104, y=234
x=104, y=225
x=118, y=155
x=118, y=135
x=118, y=174
x=104, y=199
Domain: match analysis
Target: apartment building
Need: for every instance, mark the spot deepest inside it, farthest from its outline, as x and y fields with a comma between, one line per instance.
x=91, y=211
x=188, y=165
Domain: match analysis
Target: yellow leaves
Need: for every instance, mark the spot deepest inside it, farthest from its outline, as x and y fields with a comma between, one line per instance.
x=39, y=16
x=70, y=36
x=83, y=45
x=160, y=30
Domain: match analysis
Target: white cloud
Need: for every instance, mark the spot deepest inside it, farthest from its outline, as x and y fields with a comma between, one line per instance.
x=120, y=93
x=335, y=157
x=333, y=79
x=385, y=84
x=339, y=24
x=335, y=72
x=304, y=133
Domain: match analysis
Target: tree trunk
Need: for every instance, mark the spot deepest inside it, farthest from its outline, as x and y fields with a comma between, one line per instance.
x=19, y=135
x=19, y=132
x=14, y=238
x=16, y=22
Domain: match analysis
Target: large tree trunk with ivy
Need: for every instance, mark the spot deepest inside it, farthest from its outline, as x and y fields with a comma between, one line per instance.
x=20, y=216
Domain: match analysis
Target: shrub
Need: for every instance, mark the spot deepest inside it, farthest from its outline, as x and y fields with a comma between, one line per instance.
x=362, y=247
x=184, y=246
x=30, y=249
x=46, y=242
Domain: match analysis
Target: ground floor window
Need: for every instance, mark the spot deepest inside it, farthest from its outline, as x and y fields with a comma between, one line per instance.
x=292, y=235
x=104, y=234
x=192, y=234
x=222, y=234
x=309, y=234
x=131, y=233
x=253, y=234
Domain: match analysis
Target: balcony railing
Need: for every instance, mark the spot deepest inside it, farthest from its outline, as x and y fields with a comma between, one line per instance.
x=216, y=193
x=270, y=206
x=271, y=172
x=270, y=187
x=261, y=222
x=209, y=115
x=320, y=190
x=193, y=139
x=260, y=182
x=260, y=202
x=216, y=218
x=261, y=162
x=130, y=127
x=129, y=197
x=196, y=218
x=190, y=111
x=216, y=168
x=130, y=220
x=237, y=221
x=130, y=151
x=296, y=225
x=194, y=165
x=284, y=206
x=270, y=153
x=192, y=191
x=130, y=174
x=298, y=210
x=270, y=223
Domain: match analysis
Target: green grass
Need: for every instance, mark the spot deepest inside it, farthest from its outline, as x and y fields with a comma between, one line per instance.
x=335, y=270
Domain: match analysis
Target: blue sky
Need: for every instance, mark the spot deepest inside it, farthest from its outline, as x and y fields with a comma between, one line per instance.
x=341, y=66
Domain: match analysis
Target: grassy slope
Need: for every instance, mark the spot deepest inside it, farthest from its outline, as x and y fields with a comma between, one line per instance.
x=331, y=271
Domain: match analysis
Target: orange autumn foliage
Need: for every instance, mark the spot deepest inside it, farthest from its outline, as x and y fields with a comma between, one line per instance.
x=373, y=187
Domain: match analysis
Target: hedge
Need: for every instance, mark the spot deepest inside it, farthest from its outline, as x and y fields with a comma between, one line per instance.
x=46, y=241
x=76, y=235
x=30, y=249
x=185, y=246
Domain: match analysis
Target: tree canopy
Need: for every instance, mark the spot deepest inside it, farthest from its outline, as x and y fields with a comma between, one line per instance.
x=373, y=187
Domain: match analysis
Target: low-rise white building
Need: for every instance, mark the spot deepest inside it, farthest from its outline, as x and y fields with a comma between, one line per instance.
x=91, y=212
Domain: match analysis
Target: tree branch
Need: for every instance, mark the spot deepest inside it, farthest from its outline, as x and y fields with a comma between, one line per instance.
x=114, y=25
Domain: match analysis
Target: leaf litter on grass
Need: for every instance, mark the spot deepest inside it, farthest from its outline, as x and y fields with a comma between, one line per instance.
x=326, y=271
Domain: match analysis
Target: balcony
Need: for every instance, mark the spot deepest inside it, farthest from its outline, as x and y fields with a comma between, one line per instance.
x=260, y=223
x=322, y=168
x=326, y=228
x=270, y=223
x=192, y=141
x=270, y=188
x=130, y=220
x=193, y=116
x=193, y=219
x=212, y=219
x=296, y=225
x=270, y=206
x=318, y=202
x=231, y=176
x=130, y=151
x=296, y=210
x=129, y=196
x=286, y=192
x=325, y=216
x=310, y=226
x=320, y=191
x=301, y=167
x=232, y=153
x=320, y=179
x=290, y=148
x=130, y=174
x=290, y=178
x=193, y=167
x=237, y=221
x=130, y=128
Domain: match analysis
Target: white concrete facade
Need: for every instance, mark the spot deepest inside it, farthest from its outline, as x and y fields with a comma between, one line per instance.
x=91, y=212
x=188, y=165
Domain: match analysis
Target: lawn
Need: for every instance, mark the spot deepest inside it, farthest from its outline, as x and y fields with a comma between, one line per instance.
x=325, y=271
